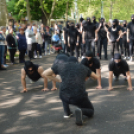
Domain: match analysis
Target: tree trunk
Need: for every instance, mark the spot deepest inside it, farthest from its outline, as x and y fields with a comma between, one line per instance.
x=111, y=10
x=28, y=11
x=66, y=14
x=3, y=13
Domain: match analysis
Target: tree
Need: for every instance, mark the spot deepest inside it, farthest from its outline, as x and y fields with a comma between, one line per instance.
x=120, y=9
x=3, y=13
x=40, y=9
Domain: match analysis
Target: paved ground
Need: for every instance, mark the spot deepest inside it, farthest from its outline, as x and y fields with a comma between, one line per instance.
x=37, y=112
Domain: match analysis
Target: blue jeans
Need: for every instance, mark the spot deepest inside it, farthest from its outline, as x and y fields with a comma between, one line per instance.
x=2, y=52
x=39, y=49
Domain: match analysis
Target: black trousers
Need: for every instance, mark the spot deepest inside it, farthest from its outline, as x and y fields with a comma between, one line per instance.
x=121, y=46
x=72, y=48
x=33, y=48
x=5, y=54
x=90, y=45
x=114, y=46
x=131, y=46
x=22, y=55
x=102, y=41
x=126, y=46
x=82, y=102
x=12, y=54
x=77, y=51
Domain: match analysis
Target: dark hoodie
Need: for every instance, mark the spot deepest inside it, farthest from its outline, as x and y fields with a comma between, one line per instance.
x=66, y=30
x=35, y=75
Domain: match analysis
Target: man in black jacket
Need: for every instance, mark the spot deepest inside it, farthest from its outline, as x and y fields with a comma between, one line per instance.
x=72, y=89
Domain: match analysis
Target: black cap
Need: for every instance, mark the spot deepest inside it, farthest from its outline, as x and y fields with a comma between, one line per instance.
x=28, y=64
x=117, y=56
x=89, y=54
x=81, y=19
x=72, y=59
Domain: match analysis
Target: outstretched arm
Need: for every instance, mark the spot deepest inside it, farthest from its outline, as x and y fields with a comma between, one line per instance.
x=50, y=75
x=23, y=81
x=40, y=71
x=110, y=80
x=129, y=81
x=98, y=72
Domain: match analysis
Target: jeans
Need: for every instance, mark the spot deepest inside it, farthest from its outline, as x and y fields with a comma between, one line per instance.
x=22, y=56
x=47, y=44
x=131, y=46
x=90, y=44
x=102, y=41
x=2, y=52
x=39, y=49
x=114, y=45
x=82, y=102
x=126, y=46
x=12, y=54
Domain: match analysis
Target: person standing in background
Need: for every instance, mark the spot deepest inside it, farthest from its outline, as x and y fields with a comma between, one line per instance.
x=12, y=45
x=22, y=45
x=47, y=38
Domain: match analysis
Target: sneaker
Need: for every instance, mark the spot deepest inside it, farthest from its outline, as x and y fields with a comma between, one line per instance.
x=128, y=58
x=35, y=56
x=68, y=116
x=125, y=79
x=40, y=56
x=32, y=81
x=78, y=114
x=83, y=57
x=6, y=65
x=125, y=58
x=116, y=78
x=131, y=59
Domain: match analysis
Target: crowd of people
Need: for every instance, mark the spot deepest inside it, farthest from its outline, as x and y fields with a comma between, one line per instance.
x=31, y=40
x=66, y=69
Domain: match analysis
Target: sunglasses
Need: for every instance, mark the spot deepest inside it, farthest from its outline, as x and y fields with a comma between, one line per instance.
x=30, y=70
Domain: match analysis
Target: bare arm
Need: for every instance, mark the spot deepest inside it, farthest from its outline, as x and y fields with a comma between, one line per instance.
x=40, y=71
x=23, y=81
x=110, y=80
x=94, y=76
x=128, y=32
x=68, y=41
x=98, y=72
x=129, y=81
x=83, y=37
x=50, y=75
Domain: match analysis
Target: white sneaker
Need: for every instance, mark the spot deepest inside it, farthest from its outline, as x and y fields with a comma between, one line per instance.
x=67, y=116
x=83, y=57
x=40, y=56
x=131, y=59
x=128, y=58
x=125, y=58
x=35, y=56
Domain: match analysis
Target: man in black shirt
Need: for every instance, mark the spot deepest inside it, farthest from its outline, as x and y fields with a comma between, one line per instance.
x=34, y=72
x=103, y=28
x=113, y=36
x=73, y=38
x=124, y=40
x=90, y=35
x=65, y=36
x=72, y=88
x=130, y=36
x=94, y=65
x=119, y=66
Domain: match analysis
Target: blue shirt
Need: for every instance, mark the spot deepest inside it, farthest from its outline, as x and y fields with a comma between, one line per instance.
x=22, y=44
x=55, y=37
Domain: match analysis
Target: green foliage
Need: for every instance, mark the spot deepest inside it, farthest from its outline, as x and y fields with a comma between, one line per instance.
x=122, y=9
x=18, y=8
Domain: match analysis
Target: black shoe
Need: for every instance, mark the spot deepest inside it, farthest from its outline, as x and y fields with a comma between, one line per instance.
x=2, y=68
x=116, y=78
x=68, y=116
x=78, y=114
